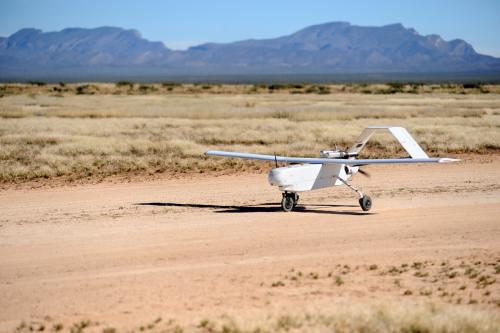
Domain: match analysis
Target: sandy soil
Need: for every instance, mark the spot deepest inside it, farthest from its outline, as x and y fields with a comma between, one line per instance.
x=126, y=254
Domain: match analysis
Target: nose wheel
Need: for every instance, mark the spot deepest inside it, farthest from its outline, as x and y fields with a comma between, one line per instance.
x=289, y=201
x=365, y=202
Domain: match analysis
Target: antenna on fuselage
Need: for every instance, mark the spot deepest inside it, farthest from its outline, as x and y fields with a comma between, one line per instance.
x=275, y=160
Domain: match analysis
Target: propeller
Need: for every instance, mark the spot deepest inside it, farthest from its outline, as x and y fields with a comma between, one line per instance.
x=349, y=171
x=364, y=173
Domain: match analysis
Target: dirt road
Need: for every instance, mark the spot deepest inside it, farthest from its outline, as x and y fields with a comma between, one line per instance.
x=188, y=249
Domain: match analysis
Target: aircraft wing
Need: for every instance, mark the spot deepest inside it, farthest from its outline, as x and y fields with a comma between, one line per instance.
x=328, y=160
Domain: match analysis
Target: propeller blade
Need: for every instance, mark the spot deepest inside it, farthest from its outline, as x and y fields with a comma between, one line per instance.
x=364, y=173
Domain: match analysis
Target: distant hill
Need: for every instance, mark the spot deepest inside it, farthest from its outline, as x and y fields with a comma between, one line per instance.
x=76, y=47
x=336, y=47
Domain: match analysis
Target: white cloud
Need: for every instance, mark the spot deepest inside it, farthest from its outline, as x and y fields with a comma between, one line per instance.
x=182, y=44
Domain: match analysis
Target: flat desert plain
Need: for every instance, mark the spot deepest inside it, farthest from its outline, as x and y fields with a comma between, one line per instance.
x=112, y=219
x=205, y=253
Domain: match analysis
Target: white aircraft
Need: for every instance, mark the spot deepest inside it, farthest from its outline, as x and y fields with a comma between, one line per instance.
x=334, y=167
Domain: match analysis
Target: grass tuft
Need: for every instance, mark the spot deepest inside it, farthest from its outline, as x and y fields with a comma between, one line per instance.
x=278, y=284
x=339, y=281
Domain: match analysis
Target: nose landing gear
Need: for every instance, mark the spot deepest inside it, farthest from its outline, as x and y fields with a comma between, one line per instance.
x=364, y=200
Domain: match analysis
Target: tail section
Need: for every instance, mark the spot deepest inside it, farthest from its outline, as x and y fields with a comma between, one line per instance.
x=400, y=133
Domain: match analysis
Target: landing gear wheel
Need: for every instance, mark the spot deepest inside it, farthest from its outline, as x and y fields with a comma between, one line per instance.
x=288, y=202
x=366, y=203
x=295, y=200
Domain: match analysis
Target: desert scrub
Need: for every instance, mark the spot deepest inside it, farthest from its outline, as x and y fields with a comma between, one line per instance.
x=339, y=281
x=277, y=284
x=101, y=135
x=356, y=318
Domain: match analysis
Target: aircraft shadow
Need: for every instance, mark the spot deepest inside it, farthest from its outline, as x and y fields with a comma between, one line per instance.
x=258, y=208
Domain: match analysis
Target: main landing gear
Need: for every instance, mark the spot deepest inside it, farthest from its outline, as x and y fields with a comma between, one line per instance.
x=365, y=202
x=289, y=201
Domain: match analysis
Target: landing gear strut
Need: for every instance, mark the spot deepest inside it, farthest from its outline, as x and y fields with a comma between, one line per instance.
x=364, y=200
x=289, y=201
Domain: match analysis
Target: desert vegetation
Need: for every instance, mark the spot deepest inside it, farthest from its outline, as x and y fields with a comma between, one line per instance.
x=169, y=88
x=349, y=318
x=452, y=282
x=93, y=131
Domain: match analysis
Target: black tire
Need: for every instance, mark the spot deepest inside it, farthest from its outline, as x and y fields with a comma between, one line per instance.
x=365, y=203
x=295, y=200
x=287, y=203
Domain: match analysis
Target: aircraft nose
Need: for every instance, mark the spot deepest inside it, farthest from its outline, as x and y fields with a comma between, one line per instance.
x=276, y=177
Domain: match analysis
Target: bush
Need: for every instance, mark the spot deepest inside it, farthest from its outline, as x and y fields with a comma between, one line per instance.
x=396, y=85
x=80, y=90
x=472, y=85
x=276, y=87
x=323, y=90
x=144, y=88
x=170, y=85
x=37, y=83
x=124, y=84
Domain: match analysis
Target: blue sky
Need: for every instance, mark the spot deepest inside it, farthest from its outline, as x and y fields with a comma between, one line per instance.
x=182, y=23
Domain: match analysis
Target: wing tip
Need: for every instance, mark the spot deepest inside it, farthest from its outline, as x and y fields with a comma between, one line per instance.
x=448, y=160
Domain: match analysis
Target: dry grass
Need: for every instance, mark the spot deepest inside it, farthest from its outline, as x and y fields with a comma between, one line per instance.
x=374, y=318
x=382, y=317
x=82, y=136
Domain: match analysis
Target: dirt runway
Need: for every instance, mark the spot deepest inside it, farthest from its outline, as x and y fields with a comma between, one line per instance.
x=188, y=249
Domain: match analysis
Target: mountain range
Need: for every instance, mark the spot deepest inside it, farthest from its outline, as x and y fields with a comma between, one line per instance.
x=330, y=48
